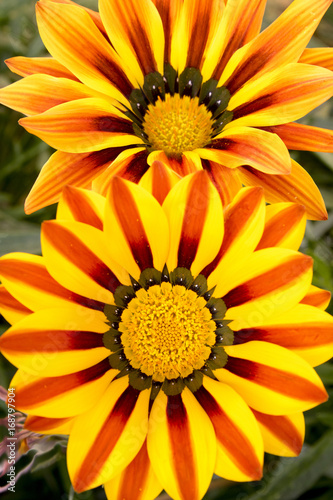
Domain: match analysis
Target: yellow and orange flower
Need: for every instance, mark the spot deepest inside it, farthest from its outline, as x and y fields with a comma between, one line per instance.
x=191, y=83
x=169, y=341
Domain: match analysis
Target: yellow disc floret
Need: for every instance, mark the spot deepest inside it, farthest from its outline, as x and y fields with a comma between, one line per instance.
x=167, y=331
x=177, y=124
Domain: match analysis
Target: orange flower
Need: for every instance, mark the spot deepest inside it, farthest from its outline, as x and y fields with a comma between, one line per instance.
x=191, y=83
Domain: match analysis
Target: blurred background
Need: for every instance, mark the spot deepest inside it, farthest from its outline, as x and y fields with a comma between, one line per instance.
x=309, y=477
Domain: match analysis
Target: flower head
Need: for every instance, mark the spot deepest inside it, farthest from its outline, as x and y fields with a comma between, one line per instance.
x=170, y=342
x=190, y=83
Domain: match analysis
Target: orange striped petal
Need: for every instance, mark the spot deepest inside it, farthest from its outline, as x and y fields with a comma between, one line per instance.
x=43, y=425
x=81, y=205
x=75, y=169
x=268, y=282
x=38, y=93
x=82, y=126
x=137, y=226
x=169, y=13
x=240, y=23
x=322, y=56
x=131, y=164
x=55, y=341
x=136, y=32
x=183, y=458
x=249, y=146
x=195, y=215
x=243, y=227
x=104, y=440
x=136, y=482
x=26, y=66
x=281, y=43
x=71, y=37
x=187, y=164
x=304, y=329
x=195, y=28
x=297, y=187
x=77, y=256
x=27, y=279
x=226, y=180
x=283, y=435
x=94, y=15
x=240, y=451
x=317, y=297
x=284, y=226
x=271, y=379
x=10, y=308
x=282, y=96
x=158, y=180
x=304, y=137
x=64, y=396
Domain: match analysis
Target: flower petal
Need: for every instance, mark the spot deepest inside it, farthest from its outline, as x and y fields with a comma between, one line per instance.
x=38, y=93
x=183, y=458
x=27, y=279
x=271, y=379
x=55, y=342
x=284, y=226
x=304, y=137
x=81, y=205
x=243, y=227
x=322, y=56
x=131, y=164
x=169, y=13
x=226, y=180
x=44, y=425
x=268, y=282
x=65, y=396
x=282, y=96
x=104, y=440
x=158, y=180
x=283, y=435
x=77, y=256
x=304, y=329
x=297, y=187
x=317, y=297
x=10, y=308
x=25, y=66
x=71, y=37
x=240, y=452
x=239, y=146
x=187, y=164
x=82, y=126
x=74, y=169
x=136, y=32
x=136, y=226
x=279, y=44
x=195, y=215
x=136, y=482
x=240, y=23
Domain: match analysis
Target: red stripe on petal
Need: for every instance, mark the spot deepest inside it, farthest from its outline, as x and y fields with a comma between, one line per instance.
x=73, y=249
x=131, y=224
x=50, y=387
x=161, y=181
x=7, y=301
x=317, y=298
x=226, y=180
x=230, y=436
x=280, y=225
x=40, y=424
x=36, y=276
x=286, y=383
x=110, y=433
x=283, y=429
x=180, y=441
x=51, y=340
x=25, y=66
x=193, y=219
x=135, y=476
x=304, y=137
x=266, y=283
x=80, y=207
x=134, y=169
x=291, y=336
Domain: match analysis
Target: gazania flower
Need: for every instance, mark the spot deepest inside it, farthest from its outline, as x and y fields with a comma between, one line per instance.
x=170, y=342
x=191, y=83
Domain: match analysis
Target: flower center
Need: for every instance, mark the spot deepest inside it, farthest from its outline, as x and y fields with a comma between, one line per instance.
x=177, y=124
x=167, y=332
